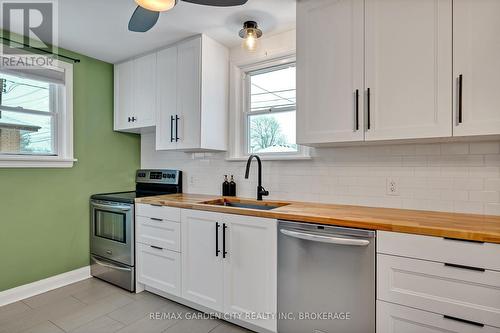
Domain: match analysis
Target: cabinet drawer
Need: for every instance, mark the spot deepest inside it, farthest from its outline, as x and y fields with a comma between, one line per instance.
x=158, y=232
x=432, y=286
x=160, y=269
x=393, y=318
x=476, y=254
x=159, y=212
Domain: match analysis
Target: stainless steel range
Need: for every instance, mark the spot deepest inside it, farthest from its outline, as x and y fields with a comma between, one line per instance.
x=112, y=234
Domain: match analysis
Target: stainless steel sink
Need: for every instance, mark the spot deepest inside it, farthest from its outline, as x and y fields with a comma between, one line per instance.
x=246, y=204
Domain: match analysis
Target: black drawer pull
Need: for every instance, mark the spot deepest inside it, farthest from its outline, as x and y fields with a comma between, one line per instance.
x=356, y=125
x=155, y=219
x=224, y=252
x=156, y=247
x=217, y=251
x=460, y=98
x=463, y=321
x=368, y=106
x=470, y=268
x=463, y=240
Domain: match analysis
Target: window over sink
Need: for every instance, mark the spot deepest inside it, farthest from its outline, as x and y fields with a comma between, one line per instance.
x=270, y=111
x=264, y=120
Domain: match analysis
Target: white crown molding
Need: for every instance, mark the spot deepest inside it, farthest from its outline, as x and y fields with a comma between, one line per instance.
x=39, y=287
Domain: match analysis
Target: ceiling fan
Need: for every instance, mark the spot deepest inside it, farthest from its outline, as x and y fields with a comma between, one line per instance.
x=147, y=12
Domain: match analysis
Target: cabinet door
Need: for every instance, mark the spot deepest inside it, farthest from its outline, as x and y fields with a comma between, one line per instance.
x=330, y=68
x=477, y=58
x=202, y=266
x=159, y=268
x=123, y=94
x=189, y=94
x=167, y=99
x=408, y=69
x=250, y=271
x=393, y=318
x=144, y=105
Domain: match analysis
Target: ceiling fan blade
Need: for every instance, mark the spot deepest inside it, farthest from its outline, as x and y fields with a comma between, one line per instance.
x=218, y=3
x=142, y=20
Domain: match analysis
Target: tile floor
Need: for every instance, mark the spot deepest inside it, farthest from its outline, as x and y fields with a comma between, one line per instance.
x=93, y=306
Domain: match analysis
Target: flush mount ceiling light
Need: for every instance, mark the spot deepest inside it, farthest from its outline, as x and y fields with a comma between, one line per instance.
x=147, y=12
x=250, y=34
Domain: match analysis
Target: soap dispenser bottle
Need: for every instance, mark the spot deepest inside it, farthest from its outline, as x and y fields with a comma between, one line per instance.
x=225, y=186
x=232, y=187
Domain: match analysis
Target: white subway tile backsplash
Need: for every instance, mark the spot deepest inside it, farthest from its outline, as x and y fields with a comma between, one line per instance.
x=484, y=196
x=452, y=177
x=485, y=148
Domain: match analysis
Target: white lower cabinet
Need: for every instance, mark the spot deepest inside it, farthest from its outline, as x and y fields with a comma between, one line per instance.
x=202, y=267
x=432, y=284
x=159, y=268
x=393, y=318
x=250, y=270
x=229, y=264
x=225, y=262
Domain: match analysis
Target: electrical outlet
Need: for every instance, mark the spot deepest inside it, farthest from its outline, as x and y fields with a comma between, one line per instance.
x=392, y=186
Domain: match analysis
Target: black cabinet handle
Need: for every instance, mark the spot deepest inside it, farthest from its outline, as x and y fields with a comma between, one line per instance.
x=156, y=247
x=463, y=321
x=217, y=251
x=171, y=128
x=176, y=128
x=357, y=110
x=156, y=219
x=470, y=268
x=224, y=252
x=368, y=125
x=460, y=98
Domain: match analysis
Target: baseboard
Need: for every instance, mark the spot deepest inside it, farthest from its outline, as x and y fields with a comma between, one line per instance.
x=38, y=287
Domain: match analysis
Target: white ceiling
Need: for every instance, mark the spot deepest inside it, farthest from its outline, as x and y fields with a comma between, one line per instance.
x=98, y=28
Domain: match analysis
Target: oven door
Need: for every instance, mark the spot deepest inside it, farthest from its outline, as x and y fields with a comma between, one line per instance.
x=112, y=231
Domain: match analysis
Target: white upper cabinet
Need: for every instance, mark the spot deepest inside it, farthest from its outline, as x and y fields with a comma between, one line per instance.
x=408, y=69
x=476, y=57
x=135, y=94
x=330, y=71
x=167, y=98
x=192, y=93
x=123, y=89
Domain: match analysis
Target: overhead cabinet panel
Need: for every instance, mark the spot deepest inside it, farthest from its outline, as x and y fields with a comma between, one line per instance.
x=329, y=71
x=408, y=69
x=477, y=65
x=192, y=95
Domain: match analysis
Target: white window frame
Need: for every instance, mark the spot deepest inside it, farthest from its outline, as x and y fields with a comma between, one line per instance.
x=239, y=131
x=62, y=127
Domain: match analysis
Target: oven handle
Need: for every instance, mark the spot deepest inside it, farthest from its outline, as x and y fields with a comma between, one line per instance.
x=111, y=266
x=111, y=207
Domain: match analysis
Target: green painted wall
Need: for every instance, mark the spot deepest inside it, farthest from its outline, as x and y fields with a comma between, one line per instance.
x=44, y=213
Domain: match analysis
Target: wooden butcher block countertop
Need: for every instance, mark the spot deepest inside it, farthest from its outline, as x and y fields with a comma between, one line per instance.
x=483, y=228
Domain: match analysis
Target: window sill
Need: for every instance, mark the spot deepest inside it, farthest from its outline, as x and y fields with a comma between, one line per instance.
x=272, y=158
x=36, y=162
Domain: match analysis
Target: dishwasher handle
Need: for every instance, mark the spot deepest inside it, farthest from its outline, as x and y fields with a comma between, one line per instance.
x=325, y=239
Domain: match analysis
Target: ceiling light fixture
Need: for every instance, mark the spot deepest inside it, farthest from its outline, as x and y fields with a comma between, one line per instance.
x=250, y=34
x=157, y=5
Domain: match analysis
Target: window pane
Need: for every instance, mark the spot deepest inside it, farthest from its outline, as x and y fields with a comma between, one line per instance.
x=25, y=93
x=25, y=133
x=272, y=133
x=272, y=89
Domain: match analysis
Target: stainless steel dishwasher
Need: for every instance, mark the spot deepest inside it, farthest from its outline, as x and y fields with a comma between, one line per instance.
x=326, y=279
